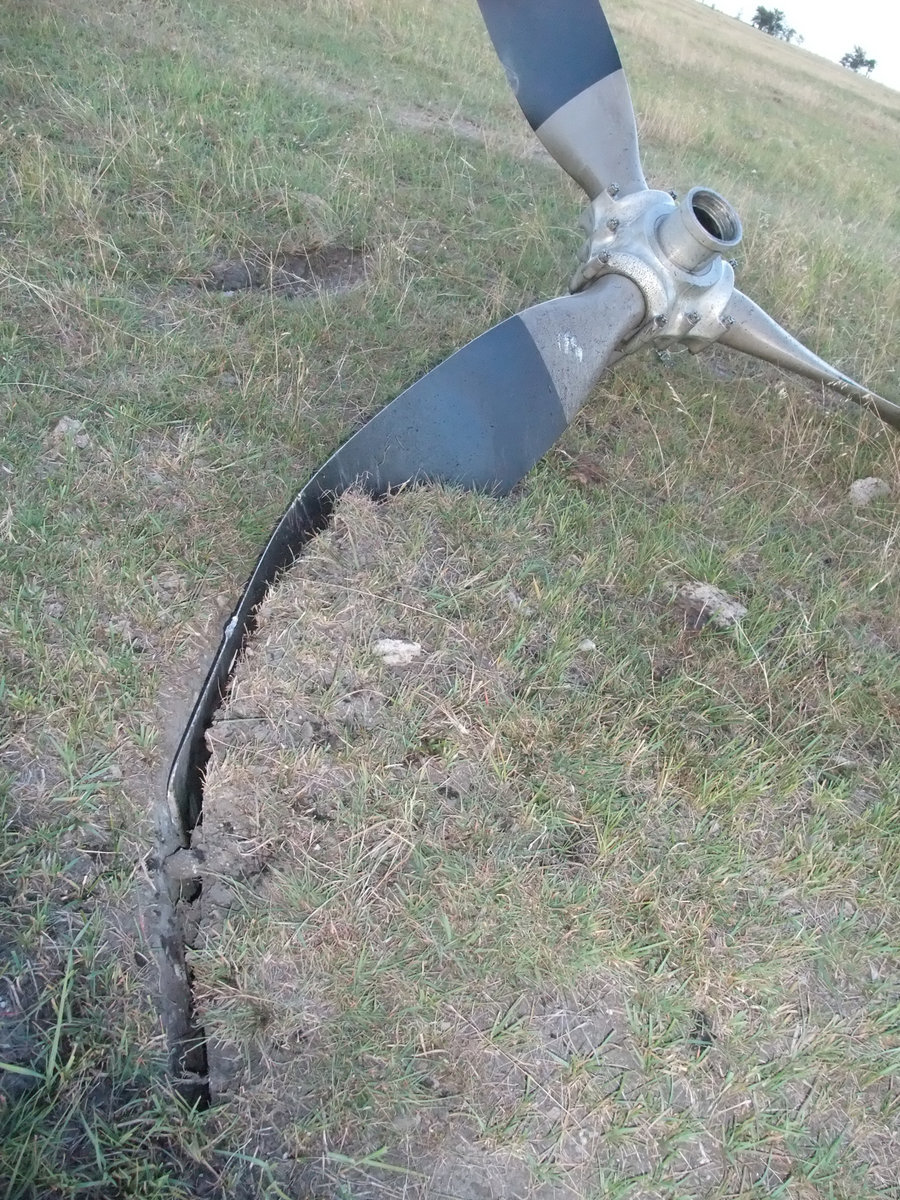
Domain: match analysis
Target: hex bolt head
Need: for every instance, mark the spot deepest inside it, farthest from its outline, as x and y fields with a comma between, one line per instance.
x=613, y=223
x=727, y=321
x=693, y=318
x=660, y=320
x=613, y=190
x=674, y=195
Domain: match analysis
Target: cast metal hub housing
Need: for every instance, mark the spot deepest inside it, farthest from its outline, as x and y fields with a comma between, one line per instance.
x=673, y=252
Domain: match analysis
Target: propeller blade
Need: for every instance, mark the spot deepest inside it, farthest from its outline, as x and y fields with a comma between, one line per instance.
x=561, y=61
x=752, y=331
x=479, y=421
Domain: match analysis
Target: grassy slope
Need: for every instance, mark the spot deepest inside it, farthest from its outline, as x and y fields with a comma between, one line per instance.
x=141, y=143
x=578, y=903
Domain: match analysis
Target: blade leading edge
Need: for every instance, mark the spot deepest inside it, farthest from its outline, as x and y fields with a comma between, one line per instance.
x=480, y=421
x=754, y=332
x=562, y=63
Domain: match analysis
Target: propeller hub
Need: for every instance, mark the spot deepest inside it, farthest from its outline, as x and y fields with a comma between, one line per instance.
x=674, y=252
x=702, y=226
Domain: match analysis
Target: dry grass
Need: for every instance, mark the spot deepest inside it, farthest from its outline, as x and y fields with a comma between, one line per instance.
x=576, y=903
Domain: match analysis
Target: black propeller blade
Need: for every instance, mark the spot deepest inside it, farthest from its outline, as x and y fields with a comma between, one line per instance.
x=562, y=63
x=479, y=420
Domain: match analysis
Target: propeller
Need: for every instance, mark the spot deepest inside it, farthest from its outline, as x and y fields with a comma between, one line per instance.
x=563, y=66
x=653, y=272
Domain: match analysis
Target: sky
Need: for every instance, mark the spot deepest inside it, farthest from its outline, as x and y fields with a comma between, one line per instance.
x=833, y=27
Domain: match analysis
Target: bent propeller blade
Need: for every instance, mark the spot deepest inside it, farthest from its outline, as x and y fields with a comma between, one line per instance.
x=480, y=421
x=563, y=66
x=653, y=273
x=752, y=331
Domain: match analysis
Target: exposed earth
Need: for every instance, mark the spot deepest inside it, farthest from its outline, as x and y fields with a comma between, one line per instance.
x=302, y=271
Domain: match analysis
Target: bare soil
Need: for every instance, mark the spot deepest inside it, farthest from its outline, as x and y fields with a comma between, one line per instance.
x=300, y=272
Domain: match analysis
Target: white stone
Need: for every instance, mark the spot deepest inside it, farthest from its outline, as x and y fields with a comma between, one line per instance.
x=396, y=653
x=864, y=491
x=716, y=606
x=68, y=429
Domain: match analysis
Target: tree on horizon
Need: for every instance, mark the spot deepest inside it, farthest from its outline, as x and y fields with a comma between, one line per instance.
x=773, y=22
x=856, y=59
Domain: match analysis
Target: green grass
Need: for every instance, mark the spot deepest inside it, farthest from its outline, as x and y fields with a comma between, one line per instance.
x=142, y=144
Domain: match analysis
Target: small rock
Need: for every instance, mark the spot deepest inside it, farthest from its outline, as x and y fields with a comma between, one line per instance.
x=702, y=603
x=168, y=581
x=864, y=491
x=587, y=645
x=396, y=653
x=240, y=731
x=69, y=431
x=182, y=865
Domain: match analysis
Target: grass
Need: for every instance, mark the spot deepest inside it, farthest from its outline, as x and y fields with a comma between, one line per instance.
x=143, y=144
x=580, y=877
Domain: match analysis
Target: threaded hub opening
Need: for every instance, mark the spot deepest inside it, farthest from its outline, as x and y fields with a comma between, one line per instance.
x=716, y=216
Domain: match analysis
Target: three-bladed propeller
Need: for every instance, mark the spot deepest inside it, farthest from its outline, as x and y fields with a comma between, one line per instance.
x=563, y=66
x=653, y=272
